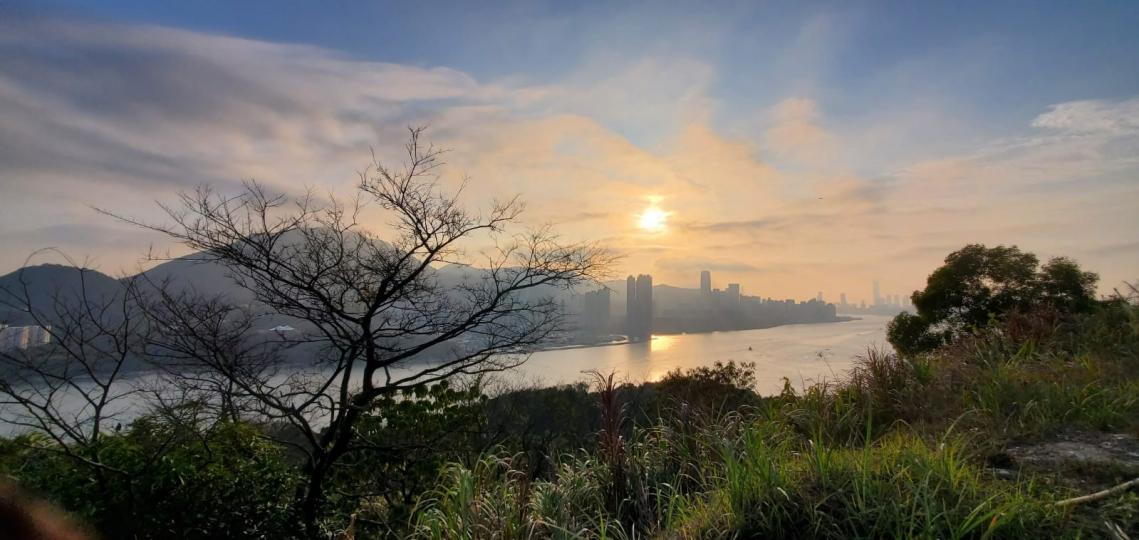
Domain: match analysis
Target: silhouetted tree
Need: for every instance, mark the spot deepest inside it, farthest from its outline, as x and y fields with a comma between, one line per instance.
x=978, y=284
x=372, y=316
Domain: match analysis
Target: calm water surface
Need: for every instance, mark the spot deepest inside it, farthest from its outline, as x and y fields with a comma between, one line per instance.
x=803, y=353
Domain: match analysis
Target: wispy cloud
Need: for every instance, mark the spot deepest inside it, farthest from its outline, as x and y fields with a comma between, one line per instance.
x=119, y=115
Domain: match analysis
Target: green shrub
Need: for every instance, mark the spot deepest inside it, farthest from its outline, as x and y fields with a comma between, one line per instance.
x=160, y=480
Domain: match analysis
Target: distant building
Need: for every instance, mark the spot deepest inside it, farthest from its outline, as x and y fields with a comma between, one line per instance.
x=877, y=294
x=819, y=296
x=595, y=311
x=645, y=305
x=733, y=294
x=631, y=306
x=23, y=337
x=13, y=338
x=842, y=299
x=639, y=307
x=39, y=335
x=706, y=283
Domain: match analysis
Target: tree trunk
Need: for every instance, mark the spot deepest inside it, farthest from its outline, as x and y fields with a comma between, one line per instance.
x=312, y=499
x=338, y=438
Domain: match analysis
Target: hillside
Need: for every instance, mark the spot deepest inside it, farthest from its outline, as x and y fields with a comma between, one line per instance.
x=41, y=286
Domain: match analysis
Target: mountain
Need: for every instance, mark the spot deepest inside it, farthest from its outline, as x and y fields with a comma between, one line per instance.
x=210, y=278
x=44, y=284
x=204, y=277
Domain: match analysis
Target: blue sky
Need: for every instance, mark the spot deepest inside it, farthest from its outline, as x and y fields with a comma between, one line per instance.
x=762, y=129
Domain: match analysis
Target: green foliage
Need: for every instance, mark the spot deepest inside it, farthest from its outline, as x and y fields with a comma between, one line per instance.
x=899, y=487
x=759, y=483
x=899, y=449
x=708, y=389
x=163, y=479
x=401, y=447
x=543, y=421
x=977, y=285
x=911, y=334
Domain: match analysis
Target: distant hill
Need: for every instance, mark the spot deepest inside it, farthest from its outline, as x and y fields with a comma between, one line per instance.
x=44, y=284
x=204, y=277
x=194, y=272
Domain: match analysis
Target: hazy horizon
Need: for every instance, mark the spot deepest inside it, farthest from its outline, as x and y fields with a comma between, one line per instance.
x=791, y=149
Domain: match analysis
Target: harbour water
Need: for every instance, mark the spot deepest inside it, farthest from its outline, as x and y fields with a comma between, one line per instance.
x=803, y=353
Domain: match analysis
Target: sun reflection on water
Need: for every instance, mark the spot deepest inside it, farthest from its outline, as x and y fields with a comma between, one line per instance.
x=661, y=343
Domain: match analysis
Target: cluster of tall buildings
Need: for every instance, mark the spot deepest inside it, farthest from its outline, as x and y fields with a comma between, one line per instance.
x=710, y=309
x=672, y=310
x=639, y=307
x=23, y=337
x=729, y=297
x=881, y=304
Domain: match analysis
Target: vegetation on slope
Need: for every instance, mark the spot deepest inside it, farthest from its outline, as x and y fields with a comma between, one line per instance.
x=927, y=444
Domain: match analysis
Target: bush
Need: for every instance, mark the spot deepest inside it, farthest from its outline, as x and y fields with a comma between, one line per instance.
x=161, y=479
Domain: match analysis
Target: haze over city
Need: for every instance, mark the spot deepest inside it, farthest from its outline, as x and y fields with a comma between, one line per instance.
x=790, y=148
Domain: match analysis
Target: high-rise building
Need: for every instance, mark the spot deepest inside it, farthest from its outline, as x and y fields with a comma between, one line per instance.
x=595, y=311
x=842, y=299
x=639, y=307
x=819, y=296
x=705, y=283
x=631, y=306
x=877, y=294
x=733, y=294
x=645, y=306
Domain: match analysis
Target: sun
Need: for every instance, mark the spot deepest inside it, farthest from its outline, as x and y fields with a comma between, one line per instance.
x=653, y=219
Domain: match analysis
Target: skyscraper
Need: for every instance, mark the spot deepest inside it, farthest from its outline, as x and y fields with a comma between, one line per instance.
x=639, y=307
x=842, y=299
x=877, y=294
x=631, y=306
x=645, y=306
x=705, y=283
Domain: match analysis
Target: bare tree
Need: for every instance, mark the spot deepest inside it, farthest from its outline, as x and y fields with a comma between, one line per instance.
x=70, y=387
x=371, y=316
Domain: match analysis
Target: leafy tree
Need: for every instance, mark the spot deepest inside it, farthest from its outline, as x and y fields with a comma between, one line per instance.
x=911, y=334
x=978, y=284
x=1066, y=287
x=402, y=446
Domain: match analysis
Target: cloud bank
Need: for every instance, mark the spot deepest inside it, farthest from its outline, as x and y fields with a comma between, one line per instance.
x=118, y=116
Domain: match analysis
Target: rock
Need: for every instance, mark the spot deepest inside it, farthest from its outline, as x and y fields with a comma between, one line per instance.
x=1079, y=449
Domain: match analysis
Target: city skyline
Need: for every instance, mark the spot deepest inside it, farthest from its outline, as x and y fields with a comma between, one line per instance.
x=706, y=286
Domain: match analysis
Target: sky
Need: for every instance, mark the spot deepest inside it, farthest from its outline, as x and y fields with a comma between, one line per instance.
x=790, y=147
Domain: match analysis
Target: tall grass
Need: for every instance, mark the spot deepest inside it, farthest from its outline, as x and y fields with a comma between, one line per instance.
x=896, y=450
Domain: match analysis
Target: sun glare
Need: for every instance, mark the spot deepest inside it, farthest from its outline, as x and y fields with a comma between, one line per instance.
x=653, y=219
